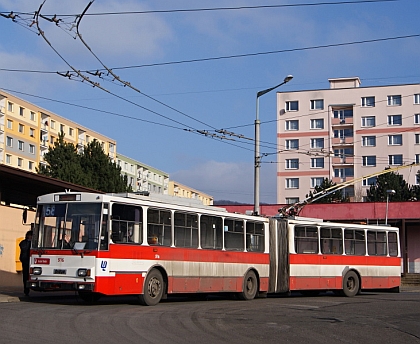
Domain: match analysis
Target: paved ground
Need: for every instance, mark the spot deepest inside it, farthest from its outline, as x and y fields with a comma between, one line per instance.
x=15, y=294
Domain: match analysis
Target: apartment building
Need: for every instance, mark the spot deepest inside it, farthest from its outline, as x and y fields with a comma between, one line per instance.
x=142, y=177
x=179, y=190
x=344, y=133
x=26, y=132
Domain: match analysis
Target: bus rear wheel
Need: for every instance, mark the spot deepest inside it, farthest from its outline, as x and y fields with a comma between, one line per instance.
x=153, y=289
x=351, y=284
x=250, y=286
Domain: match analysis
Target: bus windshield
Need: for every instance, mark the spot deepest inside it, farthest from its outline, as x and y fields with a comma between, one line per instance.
x=68, y=226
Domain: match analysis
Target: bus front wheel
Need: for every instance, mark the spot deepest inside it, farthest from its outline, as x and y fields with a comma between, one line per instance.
x=153, y=289
x=250, y=286
x=351, y=284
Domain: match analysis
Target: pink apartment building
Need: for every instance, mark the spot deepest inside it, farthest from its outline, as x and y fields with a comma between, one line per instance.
x=345, y=132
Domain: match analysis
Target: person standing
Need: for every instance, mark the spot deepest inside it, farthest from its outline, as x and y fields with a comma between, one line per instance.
x=25, y=249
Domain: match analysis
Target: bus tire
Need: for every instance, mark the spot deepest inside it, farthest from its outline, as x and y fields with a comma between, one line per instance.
x=153, y=289
x=351, y=284
x=89, y=296
x=250, y=286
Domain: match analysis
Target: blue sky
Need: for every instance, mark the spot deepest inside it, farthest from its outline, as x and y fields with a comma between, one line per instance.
x=207, y=95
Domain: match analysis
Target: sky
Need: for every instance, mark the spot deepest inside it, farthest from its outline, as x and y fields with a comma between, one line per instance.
x=195, y=72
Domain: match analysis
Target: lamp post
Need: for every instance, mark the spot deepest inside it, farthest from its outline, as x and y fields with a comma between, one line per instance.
x=257, y=160
x=388, y=192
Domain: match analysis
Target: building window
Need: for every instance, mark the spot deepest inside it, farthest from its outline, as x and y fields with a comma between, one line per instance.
x=316, y=181
x=317, y=143
x=30, y=165
x=343, y=133
x=395, y=159
x=368, y=141
x=368, y=101
x=71, y=131
x=292, y=144
x=344, y=152
x=9, y=124
x=317, y=104
x=20, y=161
x=292, y=164
x=62, y=128
x=292, y=105
x=344, y=172
x=368, y=121
x=292, y=125
x=31, y=132
x=343, y=114
x=417, y=99
x=292, y=183
x=395, y=140
x=292, y=200
x=369, y=181
x=417, y=158
x=417, y=138
x=21, y=111
x=52, y=124
x=21, y=128
x=8, y=159
x=369, y=160
x=317, y=162
x=9, y=141
x=317, y=123
x=20, y=145
x=417, y=118
x=394, y=100
x=32, y=116
x=395, y=120
x=9, y=106
x=32, y=149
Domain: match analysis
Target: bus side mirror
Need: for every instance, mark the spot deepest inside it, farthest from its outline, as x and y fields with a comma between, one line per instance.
x=24, y=215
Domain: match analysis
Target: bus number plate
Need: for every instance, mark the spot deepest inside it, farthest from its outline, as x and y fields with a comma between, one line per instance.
x=59, y=272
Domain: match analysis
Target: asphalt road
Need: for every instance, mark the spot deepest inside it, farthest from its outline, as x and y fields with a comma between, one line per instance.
x=367, y=318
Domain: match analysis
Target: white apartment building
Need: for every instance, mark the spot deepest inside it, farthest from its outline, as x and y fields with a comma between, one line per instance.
x=142, y=177
x=345, y=132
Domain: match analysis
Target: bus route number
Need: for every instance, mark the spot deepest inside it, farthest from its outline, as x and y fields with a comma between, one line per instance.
x=50, y=210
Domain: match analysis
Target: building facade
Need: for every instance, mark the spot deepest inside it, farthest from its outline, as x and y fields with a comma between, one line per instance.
x=142, y=177
x=344, y=133
x=179, y=190
x=27, y=131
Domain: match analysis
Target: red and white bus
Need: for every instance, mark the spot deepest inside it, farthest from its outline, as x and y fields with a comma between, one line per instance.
x=151, y=246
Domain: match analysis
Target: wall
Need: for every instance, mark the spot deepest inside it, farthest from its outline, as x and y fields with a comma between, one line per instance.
x=11, y=229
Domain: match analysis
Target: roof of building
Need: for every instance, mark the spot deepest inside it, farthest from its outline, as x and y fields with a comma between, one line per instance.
x=21, y=187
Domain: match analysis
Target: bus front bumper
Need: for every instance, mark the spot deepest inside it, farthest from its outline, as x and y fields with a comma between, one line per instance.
x=59, y=286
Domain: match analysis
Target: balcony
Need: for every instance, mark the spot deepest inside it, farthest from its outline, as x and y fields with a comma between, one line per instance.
x=336, y=160
x=349, y=140
x=338, y=180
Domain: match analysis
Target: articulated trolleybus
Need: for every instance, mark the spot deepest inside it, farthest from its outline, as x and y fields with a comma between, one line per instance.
x=129, y=244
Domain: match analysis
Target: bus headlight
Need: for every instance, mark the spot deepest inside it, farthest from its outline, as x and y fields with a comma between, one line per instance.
x=83, y=272
x=36, y=271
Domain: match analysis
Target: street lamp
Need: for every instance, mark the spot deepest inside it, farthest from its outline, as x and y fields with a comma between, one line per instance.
x=257, y=160
x=388, y=192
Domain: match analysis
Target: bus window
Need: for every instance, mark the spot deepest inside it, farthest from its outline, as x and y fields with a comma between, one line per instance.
x=376, y=243
x=354, y=242
x=331, y=241
x=211, y=228
x=159, y=227
x=306, y=239
x=254, y=236
x=393, y=244
x=186, y=230
x=127, y=224
x=234, y=234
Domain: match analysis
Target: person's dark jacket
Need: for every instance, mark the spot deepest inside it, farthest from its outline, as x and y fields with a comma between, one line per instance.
x=25, y=248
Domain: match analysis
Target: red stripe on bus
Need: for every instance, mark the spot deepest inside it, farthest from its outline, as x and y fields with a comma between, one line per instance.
x=126, y=284
x=330, y=259
x=331, y=283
